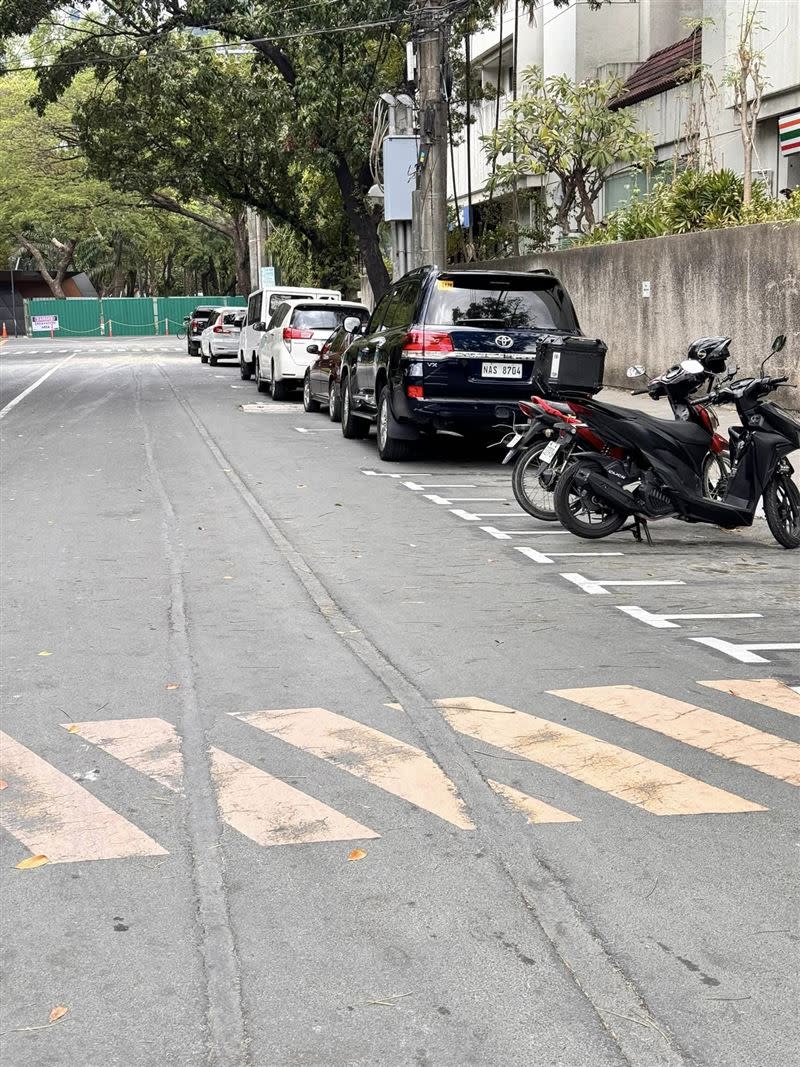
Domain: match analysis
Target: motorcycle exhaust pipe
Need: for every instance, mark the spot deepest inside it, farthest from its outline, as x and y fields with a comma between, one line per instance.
x=610, y=493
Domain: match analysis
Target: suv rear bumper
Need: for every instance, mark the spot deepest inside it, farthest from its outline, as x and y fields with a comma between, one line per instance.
x=446, y=413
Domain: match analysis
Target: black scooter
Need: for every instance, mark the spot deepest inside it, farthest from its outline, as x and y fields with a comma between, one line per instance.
x=660, y=472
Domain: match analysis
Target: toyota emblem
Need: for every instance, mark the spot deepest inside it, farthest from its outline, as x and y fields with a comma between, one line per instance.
x=504, y=341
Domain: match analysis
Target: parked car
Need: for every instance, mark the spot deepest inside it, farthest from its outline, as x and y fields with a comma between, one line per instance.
x=451, y=350
x=321, y=383
x=261, y=306
x=282, y=358
x=220, y=339
x=196, y=323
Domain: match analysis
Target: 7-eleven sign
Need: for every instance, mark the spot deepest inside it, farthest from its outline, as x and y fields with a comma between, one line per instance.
x=789, y=133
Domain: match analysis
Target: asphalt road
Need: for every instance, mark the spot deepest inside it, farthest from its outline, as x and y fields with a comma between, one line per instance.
x=329, y=771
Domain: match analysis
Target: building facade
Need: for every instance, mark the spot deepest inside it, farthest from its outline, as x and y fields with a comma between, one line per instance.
x=675, y=58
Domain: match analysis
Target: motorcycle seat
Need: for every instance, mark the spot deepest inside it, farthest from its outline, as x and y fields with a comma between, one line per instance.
x=688, y=433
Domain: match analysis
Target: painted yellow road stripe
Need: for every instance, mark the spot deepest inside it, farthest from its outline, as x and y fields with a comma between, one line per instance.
x=767, y=691
x=536, y=810
x=151, y=746
x=392, y=765
x=54, y=816
x=271, y=812
x=625, y=775
x=719, y=734
x=261, y=807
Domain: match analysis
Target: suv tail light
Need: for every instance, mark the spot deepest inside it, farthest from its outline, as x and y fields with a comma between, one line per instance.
x=292, y=333
x=429, y=342
x=218, y=329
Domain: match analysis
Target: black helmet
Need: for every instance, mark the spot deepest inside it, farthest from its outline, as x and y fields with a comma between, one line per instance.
x=712, y=352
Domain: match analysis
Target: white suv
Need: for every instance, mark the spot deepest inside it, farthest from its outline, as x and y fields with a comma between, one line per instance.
x=283, y=357
x=260, y=306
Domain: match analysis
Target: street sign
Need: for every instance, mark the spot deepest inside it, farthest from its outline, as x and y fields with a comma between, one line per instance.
x=267, y=277
x=789, y=133
x=44, y=322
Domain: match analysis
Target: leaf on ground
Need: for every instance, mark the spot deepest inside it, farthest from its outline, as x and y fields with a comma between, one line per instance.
x=172, y=685
x=72, y=728
x=357, y=854
x=227, y=577
x=45, y=653
x=58, y=1013
x=30, y=862
x=3, y=784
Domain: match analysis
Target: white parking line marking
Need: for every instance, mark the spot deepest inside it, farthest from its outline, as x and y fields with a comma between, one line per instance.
x=445, y=485
x=505, y=535
x=599, y=586
x=744, y=653
x=476, y=517
x=663, y=622
x=317, y=429
x=436, y=499
x=540, y=557
x=34, y=385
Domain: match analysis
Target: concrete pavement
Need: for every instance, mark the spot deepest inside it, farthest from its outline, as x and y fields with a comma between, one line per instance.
x=240, y=650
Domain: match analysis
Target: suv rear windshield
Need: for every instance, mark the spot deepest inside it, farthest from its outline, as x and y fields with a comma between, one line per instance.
x=204, y=313
x=235, y=318
x=325, y=318
x=501, y=303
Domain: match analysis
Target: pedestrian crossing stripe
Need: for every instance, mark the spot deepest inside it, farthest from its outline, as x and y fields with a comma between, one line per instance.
x=767, y=691
x=695, y=726
x=53, y=815
x=617, y=771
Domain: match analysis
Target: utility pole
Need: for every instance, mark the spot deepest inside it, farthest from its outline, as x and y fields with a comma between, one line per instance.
x=431, y=217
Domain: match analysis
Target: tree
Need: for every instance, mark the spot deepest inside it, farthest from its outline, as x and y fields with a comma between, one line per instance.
x=748, y=83
x=566, y=129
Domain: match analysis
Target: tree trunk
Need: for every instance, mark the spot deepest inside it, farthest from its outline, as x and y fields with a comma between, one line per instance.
x=241, y=253
x=747, y=178
x=54, y=281
x=364, y=226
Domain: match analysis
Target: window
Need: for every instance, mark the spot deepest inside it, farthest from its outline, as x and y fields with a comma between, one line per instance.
x=323, y=318
x=623, y=188
x=404, y=304
x=277, y=315
x=500, y=303
x=253, y=308
x=378, y=315
x=232, y=318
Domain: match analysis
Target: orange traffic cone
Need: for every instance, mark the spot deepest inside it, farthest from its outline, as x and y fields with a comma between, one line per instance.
x=5, y=331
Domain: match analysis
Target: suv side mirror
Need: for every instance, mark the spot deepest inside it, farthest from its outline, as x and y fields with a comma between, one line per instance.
x=352, y=324
x=635, y=371
x=260, y=327
x=313, y=350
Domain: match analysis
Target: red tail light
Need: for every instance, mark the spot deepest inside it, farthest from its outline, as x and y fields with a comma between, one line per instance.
x=428, y=342
x=416, y=392
x=194, y=324
x=292, y=333
x=218, y=329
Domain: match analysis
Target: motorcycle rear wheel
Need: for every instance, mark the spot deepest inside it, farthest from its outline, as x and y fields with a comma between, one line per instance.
x=782, y=509
x=579, y=511
x=534, y=482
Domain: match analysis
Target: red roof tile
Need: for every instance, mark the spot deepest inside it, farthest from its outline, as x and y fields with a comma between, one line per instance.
x=662, y=70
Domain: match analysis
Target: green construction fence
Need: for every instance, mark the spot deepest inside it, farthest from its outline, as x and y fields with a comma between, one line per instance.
x=117, y=316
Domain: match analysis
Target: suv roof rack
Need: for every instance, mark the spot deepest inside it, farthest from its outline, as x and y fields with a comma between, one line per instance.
x=540, y=270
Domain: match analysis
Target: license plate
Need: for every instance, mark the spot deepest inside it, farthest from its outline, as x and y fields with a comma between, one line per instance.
x=549, y=451
x=501, y=370
x=515, y=440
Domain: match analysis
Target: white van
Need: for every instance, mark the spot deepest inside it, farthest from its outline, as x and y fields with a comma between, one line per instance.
x=261, y=306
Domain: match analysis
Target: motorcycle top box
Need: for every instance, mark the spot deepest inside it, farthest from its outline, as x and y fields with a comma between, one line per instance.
x=569, y=366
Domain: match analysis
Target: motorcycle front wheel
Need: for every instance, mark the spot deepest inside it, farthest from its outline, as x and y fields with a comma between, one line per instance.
x=782, y=509
x=579, y=510
x=534, y=481
x=716, y=472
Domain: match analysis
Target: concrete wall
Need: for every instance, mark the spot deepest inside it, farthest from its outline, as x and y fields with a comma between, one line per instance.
x=742, y=282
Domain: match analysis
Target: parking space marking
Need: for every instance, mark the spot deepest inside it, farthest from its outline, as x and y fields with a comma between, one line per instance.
x=537, y=811
x=375, y=757
x=149, y=745
x=628, y=776
x=540, y=557
x=745, y=653
x=767, y=691
x=52, y=815
x=470, y=517
x=444, y=485
x=664, y=622
x=598, y=586
x=506, y=535
x=271, y=812
x=695, y=726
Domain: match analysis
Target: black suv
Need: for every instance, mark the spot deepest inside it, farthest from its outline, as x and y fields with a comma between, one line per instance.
x=450, y=350
x=196, y=323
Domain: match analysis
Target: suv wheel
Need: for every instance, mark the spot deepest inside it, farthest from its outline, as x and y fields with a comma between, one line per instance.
x=352, y=426
x=263, y=387
x=334, y=403
x=309, y=403
x=390, y=449
x=245, y=369
x=278, y=390
x=203, y=358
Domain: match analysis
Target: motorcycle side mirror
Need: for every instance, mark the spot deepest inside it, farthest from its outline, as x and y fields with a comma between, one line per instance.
x=779, y=343
x=635, y=371
x=692, y=366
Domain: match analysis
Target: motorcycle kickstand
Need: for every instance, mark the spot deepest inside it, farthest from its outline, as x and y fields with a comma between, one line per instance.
x=638, y=528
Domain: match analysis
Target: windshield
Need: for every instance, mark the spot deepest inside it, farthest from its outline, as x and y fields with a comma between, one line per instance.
x=500, y=303
x=326, y=318
x=233, y=319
